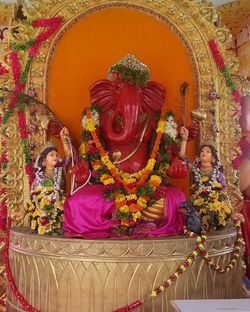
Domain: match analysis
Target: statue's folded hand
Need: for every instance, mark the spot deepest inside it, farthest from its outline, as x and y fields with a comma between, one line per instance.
x=178, y=169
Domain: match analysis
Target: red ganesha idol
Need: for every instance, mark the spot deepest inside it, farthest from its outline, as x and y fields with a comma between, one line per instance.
x=131, y=148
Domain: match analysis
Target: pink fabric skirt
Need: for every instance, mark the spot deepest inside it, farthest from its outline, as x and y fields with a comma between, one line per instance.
x=88, y=214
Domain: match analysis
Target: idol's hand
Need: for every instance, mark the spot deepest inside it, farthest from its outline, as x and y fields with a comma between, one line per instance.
x=81, y=172
x=178, y=169
x=193, y=130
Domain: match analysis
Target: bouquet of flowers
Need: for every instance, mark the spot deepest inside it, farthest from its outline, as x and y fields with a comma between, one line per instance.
x=210, y=199
x=45, y=209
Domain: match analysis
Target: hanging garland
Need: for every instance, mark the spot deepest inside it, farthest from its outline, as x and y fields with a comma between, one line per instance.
x=235, y=253
x=222, y=67
x=10, y=278
x=229, y=82
x=199, y=249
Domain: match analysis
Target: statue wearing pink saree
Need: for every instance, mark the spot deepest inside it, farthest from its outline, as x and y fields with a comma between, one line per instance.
x=131, y=148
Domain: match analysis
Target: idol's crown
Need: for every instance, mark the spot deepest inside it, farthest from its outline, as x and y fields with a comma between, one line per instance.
x=131, y=70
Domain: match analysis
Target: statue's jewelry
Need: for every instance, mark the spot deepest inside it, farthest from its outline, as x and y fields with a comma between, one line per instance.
x=50, y=172
x=116, y=156
x=130, y=70
x=207, y=170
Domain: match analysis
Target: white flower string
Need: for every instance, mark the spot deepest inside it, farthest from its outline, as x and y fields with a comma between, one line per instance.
x=94, y=116
x=170, y=127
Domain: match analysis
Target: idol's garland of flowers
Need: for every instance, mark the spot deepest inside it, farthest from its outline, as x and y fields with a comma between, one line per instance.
x=131, y=192
x=209, y=196
x=200, y=249
x=45, y=207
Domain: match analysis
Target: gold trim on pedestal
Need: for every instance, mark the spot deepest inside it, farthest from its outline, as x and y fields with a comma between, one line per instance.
x=63, y=274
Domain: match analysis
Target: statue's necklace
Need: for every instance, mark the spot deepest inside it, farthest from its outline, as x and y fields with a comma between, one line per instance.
x=50, y=173
x=207, y=170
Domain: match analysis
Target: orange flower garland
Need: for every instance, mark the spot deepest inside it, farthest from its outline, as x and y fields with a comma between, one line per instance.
x=127, y=189
x=117, y=173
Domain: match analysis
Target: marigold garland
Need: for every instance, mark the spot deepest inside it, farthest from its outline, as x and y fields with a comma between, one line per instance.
x=131, y=192
x=118, y=174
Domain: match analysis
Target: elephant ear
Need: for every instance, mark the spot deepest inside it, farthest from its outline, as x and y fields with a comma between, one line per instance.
x=101, y=93
x=154, y=96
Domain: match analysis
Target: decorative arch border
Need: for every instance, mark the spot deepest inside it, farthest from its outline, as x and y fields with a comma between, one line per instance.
x=194, y=23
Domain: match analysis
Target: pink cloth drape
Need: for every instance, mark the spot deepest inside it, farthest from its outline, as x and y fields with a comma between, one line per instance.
x=88, y=214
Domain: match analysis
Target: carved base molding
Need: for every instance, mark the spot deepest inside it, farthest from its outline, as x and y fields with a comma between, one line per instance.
x=62, y=274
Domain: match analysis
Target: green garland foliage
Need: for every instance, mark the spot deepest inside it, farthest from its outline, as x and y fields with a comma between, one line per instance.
x=132, y=76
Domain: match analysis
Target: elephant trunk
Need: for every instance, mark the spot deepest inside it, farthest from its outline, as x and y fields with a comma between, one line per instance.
x=122, y=126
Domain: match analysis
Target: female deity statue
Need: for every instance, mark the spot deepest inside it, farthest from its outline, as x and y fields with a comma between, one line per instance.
x=209, y=195
x=45, y=207
x=131, y=148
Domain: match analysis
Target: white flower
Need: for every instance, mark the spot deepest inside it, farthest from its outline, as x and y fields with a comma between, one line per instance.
x=84, y=122
x=171, y=127
x=95, y=117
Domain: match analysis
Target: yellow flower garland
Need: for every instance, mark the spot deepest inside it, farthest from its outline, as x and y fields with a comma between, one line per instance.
x=129, y=203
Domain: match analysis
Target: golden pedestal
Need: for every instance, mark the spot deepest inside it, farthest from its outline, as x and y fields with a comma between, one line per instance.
x=57, y=274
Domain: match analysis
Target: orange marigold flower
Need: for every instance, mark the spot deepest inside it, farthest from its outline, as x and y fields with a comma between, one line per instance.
x=133, y=208
x=125, y=222
x=120, y=204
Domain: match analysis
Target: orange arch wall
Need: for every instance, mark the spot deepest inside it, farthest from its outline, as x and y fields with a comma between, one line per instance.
x=95, y=42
